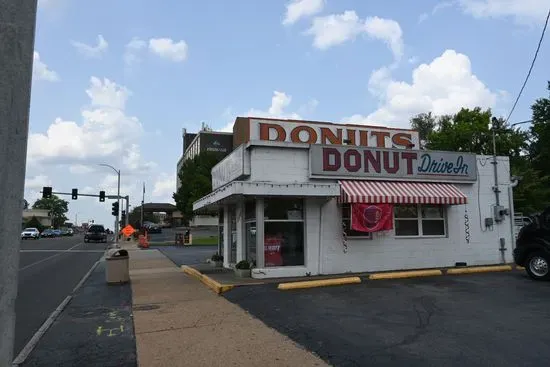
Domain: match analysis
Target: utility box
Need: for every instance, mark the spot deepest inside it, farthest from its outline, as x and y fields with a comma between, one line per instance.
x=500, y=213
x=117, y=267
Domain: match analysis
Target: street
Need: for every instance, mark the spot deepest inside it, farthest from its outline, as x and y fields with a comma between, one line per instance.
x=49, y=269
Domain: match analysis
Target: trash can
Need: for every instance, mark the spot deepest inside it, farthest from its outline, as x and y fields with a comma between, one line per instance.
x=117, y=268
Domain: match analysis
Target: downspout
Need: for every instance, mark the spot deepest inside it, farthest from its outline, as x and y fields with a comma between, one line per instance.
x=514, y=182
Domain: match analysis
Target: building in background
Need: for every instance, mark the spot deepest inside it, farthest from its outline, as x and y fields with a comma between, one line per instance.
x=206, y=140
x=40, y=214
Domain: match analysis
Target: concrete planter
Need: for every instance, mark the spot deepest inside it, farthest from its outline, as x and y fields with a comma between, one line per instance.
x=242, y=273
x=216, y=264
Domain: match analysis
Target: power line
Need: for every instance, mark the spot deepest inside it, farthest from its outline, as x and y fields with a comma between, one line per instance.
x=530, y=68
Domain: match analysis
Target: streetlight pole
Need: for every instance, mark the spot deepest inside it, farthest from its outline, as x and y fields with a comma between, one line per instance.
x=117, y=199
x=17, y=29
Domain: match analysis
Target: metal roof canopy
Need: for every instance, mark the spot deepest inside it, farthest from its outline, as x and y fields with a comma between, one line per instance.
x=157, y=207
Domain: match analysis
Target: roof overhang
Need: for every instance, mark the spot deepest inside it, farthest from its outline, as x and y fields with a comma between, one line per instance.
x=235, y=189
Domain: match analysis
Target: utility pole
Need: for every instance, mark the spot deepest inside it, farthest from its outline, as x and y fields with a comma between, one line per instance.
x=17, y=28
x=117, y=219
x=142, y=203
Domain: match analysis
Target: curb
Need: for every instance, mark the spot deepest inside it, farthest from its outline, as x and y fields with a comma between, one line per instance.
x=406, y=274
x=218, y=288
x=318, y=283
x=479, y=269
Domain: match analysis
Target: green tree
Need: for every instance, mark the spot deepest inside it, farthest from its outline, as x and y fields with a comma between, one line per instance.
x=196, y=181
x=540, y=134
x=425, y=124
x=56, y=206
x=471, y=130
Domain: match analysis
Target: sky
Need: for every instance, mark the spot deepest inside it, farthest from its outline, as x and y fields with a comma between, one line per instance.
x=114, y=82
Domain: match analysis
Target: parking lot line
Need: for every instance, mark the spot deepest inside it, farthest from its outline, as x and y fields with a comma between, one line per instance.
x=49, y=257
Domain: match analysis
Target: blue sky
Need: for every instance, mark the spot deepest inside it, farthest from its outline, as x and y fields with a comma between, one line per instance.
x=116, y=81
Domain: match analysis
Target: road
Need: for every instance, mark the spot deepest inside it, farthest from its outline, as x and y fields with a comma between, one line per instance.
x=168, y=234
x=49, y=269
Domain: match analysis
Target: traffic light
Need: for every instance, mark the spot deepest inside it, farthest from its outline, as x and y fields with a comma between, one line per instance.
x=46, y=192
x=102, y=196
x=123, y=213
x=115, y=209
x=75, y=194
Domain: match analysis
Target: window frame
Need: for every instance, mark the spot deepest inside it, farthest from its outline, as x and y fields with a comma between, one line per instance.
x=350, y=233
x=419, y=219
x=302, y=220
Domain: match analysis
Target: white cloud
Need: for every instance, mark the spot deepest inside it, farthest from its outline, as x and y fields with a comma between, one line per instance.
x=525, y=11
x=40, y=70
x=388, y=31
x=105, y=134
x=298, y=9
x=335, y=29
x=164, y=187
x=439, y=6
x=442, y=87
x=37, y=182
x=92, y=51
x=168, y=49
x=80, y=169
x=131, y=52
x=278, y=109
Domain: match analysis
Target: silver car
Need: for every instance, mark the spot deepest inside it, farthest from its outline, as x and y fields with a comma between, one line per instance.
x=32, y=233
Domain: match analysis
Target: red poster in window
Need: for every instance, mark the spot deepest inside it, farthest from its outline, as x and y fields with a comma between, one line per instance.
x=371, y=217
x=272, y=250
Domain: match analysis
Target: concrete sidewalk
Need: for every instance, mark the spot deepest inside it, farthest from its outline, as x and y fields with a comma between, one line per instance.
x=180, y=322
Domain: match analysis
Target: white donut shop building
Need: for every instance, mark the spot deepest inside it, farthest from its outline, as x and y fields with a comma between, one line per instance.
x=303, y=198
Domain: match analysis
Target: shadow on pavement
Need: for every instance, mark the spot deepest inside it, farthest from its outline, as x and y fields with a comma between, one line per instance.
x=467, y=320
x=95, y=329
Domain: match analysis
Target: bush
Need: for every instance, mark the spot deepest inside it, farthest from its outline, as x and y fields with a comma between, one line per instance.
x=243, y=264
x=216, y=257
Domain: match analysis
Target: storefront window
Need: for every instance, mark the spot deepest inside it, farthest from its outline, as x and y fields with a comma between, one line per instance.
x=250, y=230
x=420, y=220
x=233, y=247
x=346, y=223
x=283, y=232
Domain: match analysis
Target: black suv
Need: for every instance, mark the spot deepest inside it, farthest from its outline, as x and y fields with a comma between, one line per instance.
x=95, y=233
x=533, y=247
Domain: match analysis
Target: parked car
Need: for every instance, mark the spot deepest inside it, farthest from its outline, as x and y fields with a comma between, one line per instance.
x=95, y=233
x=47, y=233
x=533, y=247
x=152, y=227
x=57, y=232
x=32, y=233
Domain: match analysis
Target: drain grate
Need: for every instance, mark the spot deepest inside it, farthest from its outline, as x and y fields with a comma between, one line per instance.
x=146, y=307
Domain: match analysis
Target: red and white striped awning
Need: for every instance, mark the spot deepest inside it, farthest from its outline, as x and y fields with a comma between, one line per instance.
x=385, y=192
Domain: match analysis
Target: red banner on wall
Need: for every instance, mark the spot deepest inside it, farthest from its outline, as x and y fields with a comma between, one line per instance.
x=371, y=217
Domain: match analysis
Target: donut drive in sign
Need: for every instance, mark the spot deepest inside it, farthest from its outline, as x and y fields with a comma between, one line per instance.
x=373, y=163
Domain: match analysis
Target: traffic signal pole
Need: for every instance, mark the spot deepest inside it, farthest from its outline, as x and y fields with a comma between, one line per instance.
x=17, y=27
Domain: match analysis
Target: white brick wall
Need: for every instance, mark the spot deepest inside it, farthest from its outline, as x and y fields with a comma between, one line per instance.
x=324, y=248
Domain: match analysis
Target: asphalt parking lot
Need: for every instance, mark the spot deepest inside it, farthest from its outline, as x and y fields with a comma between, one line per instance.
x=497, y=319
